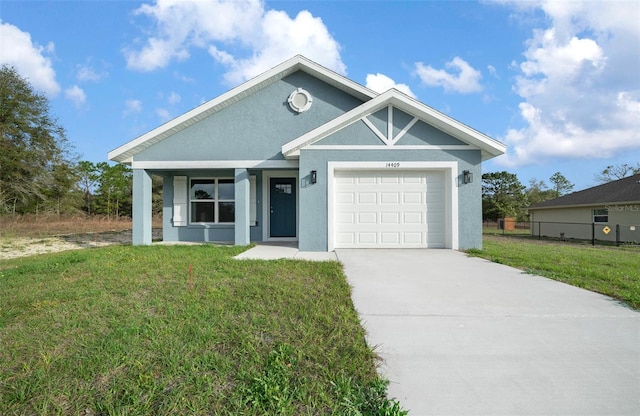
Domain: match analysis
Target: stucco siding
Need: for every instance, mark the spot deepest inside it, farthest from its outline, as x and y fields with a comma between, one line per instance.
x=424, y=134
x=256, y=127
x=314, y=226
x=576, y=222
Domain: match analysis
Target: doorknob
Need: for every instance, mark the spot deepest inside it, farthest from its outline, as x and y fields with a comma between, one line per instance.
x=272, y=210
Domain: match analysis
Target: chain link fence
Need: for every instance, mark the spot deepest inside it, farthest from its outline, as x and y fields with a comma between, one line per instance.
x=596, y=233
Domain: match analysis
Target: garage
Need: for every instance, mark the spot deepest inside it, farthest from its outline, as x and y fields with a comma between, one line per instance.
x=389, y=208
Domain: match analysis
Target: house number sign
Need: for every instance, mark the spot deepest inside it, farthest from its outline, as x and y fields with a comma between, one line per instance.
x=393, y=164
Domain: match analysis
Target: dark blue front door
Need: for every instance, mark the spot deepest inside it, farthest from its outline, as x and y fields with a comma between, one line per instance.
x=283, y=207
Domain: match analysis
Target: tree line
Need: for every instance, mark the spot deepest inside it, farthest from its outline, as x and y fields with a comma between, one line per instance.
x=504, y=196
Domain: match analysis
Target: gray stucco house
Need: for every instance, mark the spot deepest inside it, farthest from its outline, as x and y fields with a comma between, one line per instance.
x=302, y=153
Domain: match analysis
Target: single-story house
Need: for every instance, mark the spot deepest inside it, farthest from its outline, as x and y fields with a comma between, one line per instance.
x=304, y=154
x=599, y=209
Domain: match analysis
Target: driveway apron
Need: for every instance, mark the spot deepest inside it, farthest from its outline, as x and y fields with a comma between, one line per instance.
x=459, y=335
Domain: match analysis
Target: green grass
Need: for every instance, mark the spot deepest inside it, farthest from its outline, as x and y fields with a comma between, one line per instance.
x=124, y=330
x=612, y=271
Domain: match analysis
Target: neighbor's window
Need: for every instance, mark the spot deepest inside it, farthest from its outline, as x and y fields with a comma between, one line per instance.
x=600, y=215
x=212, y=200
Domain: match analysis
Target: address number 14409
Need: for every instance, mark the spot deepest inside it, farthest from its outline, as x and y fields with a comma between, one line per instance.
x=393, y=164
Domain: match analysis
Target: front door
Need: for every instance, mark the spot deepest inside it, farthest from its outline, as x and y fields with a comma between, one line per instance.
x=282, y=197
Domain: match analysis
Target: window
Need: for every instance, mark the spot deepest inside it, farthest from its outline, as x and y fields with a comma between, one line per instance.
x=212, y=201
x=600, y=215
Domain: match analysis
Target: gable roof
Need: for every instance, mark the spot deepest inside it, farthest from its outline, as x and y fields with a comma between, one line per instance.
x=625, y=190
x=489, y=147
x=125, y=153
x=372, y=103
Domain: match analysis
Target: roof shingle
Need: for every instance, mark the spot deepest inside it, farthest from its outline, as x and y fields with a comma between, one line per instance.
x=625, y=190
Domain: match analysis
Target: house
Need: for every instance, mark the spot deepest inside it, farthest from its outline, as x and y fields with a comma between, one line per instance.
x=592, y=213
x=302, y=153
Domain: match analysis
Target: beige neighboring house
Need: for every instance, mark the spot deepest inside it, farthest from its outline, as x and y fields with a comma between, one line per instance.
x=600, y=212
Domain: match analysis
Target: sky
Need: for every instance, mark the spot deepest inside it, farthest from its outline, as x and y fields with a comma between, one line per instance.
x=558, y=82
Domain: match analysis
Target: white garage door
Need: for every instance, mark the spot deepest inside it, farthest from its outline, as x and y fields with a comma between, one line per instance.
x=390, y=208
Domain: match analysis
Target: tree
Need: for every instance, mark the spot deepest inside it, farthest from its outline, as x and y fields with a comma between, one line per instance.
x=561, y=185
x=32, y=143
x=87, y=174
x=502, y=195
x=538, y=191
x=60, y=197
x=615, y=172
x=115, y=183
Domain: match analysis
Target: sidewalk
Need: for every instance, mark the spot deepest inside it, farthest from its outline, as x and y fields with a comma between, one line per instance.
x=284, y=250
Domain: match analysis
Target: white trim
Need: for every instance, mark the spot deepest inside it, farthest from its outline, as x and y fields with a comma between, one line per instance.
x=384, y=147
x=405, y=130
x=216, y=200
x=266, y=206
x=292, y=100
x=451, y=193
x=215, y=164
x=375, y=130
x=390, y=125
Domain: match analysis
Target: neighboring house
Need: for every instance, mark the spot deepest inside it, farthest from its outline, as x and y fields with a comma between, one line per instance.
x=302, y=153
x=607, y=205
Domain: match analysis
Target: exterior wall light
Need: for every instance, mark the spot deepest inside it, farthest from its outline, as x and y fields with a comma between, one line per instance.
x=467, y=176
x=314, y=176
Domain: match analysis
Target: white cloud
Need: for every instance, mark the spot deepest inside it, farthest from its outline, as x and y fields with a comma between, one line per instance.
x=381, y=83
x=174, y=98
x=28, y=58
x=241, y=35
x=76, y=95
x=163, y=114
x=132, y=107
x=87, y=73
x=461, y=77
x=579, y=84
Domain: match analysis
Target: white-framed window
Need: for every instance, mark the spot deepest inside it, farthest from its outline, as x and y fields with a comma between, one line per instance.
x=212, y=200
x=600, y=215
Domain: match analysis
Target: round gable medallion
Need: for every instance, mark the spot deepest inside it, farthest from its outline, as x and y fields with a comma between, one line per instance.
x=300, y=100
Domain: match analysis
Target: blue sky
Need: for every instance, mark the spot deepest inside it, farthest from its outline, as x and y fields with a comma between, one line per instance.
x=557, y=82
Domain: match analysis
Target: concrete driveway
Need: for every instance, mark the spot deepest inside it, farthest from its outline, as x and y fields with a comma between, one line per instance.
x=464, y=336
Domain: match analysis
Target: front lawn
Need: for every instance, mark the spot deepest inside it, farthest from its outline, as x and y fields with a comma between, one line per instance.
x=612, y=271
x=181, y=330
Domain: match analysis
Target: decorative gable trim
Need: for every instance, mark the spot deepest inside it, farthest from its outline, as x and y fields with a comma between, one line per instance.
x=394, y=98
x=389, y=139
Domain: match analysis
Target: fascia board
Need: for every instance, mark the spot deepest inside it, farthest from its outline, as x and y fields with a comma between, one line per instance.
x=489, y=146
x=298, y=62
x=447, y=124
x=586, y=205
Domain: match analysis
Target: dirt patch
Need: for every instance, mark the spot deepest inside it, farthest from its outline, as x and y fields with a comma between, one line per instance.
x=12, y=247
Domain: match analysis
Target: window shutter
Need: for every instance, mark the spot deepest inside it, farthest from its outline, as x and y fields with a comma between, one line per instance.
x=179, y=201
x=253, y=198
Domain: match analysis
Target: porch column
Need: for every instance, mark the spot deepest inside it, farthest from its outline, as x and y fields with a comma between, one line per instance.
x=242, y=194
x=141, y=207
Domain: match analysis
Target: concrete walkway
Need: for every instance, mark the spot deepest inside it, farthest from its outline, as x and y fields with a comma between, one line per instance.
x=284, y=250
x=464, y=336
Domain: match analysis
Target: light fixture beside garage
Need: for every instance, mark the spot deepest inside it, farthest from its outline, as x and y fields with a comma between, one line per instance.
x=467, y=176
x=300, y=100
x=314, y=176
